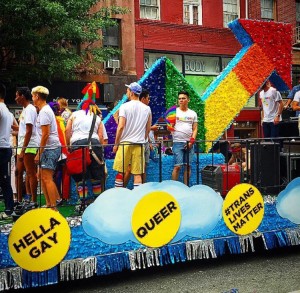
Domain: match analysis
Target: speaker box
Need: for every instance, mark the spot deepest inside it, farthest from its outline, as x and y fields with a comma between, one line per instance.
x=108, y=92
x=265, y=167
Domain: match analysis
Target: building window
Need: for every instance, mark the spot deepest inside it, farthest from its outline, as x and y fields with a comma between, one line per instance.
x=231, y=11
x=298, y=13
x=267, y=9
x=111, y=36
x=192, y=12
x=149, y=9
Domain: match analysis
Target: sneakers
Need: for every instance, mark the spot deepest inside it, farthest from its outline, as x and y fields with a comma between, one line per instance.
x=59, y=202
x=4, y=216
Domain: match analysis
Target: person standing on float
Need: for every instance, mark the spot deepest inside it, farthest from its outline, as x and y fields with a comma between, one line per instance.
x=184, y=137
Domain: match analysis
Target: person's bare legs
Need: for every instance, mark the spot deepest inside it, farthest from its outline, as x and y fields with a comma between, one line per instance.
x=31, y=176
x=19, y=177
x=175, y=173
x=49, y=187
x=127, y=176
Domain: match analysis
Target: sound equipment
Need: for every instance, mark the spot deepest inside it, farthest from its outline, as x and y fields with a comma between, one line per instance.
x=108, y=92
x=221, y=178
x=289, y=166
x=265, y=167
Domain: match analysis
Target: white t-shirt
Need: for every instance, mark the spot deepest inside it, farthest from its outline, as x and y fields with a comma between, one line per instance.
x=81, y=125
x=184, y=125
x=6, y=121
x=136, y=114
x=28, y=116
x=297, y=98
x=104, y=132
x=270, y=103
x=46, y=117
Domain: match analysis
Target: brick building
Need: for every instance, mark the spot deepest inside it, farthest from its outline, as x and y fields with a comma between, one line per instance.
x=194, y=35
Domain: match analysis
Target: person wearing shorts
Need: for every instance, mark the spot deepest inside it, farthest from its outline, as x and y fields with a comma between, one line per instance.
x=27, y=146
x=184, y=137
x=145, y=99
x=50, y=147
x=132, y=134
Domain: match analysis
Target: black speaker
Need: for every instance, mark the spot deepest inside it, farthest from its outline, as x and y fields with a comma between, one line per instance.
x=108, y=92
x=265, y=167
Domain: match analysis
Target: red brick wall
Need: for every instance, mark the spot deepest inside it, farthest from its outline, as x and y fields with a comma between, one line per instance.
x=286, y=11
x=254, y=9
x=171, y=11
x=187, y=39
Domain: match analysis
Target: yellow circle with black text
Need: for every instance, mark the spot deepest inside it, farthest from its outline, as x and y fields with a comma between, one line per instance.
x=156, y=219
x=39, y=240
x=243, y=209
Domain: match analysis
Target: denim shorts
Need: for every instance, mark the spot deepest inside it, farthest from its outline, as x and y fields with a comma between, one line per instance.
x=180, y=154
x=49, y=158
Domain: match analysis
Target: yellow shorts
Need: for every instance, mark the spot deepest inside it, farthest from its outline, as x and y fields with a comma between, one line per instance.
x=27, y=151
x=130, y=154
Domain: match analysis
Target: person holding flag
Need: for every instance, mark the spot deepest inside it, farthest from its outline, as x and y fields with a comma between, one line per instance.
x=183, y=124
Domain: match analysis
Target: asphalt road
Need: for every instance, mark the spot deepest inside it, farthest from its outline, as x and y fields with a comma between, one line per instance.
x=275, y=271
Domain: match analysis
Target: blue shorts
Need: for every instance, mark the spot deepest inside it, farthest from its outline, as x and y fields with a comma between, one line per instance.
x=50, y=158
x=180, y=154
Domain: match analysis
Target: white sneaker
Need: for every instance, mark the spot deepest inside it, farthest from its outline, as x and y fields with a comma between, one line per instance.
x=4, y=216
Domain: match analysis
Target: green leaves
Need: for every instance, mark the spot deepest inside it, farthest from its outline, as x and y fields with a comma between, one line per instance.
x=52, y=39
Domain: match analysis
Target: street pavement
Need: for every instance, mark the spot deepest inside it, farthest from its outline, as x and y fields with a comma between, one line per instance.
x=275, y=271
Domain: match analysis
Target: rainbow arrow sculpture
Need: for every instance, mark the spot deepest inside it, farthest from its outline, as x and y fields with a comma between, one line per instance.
x=266, y=53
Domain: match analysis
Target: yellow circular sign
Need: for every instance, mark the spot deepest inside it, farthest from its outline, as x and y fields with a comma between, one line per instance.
x=156, y=219
x=39, y=240
x=243, y=209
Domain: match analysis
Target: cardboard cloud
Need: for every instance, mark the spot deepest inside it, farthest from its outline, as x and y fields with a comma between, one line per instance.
x=109, y=217
x=288, y=202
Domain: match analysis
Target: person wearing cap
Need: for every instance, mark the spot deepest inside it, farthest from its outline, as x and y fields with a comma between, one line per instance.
x=27, y=146
x=6, y=121
x=50, y=147
x=132, y=134
x=145, y=99
x=271, y=101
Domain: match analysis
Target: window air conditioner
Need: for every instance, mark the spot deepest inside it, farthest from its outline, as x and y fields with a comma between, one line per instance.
x=112, y=64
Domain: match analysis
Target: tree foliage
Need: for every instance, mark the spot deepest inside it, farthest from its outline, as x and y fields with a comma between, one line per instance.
x=48, y=39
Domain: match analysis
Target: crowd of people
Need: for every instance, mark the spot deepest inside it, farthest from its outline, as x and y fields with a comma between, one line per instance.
x=47, y=132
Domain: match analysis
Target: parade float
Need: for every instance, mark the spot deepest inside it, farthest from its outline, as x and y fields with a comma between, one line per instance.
x=167, y=222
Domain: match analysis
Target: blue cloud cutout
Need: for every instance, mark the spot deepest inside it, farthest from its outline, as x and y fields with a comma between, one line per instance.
x=109, y=217
x=288, y=202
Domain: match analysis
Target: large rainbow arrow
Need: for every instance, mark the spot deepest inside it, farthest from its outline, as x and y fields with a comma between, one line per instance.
x=266, y=53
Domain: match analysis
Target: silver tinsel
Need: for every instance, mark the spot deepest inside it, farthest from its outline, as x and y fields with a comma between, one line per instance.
x=200, y=249
x=245, y=240
x=10, y=278
x=270, y=199
x=144, y=258
x=74, y=221
x=5, y=229
x=293, y=236
x=78, y=269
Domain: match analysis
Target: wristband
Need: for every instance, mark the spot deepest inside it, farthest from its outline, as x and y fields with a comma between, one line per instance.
x=192, y=140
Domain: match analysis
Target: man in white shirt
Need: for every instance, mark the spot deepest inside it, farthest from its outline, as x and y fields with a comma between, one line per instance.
x=6, y=121
x=132, y=134
x=296, y=106
x=272, y=103
x=184, y=137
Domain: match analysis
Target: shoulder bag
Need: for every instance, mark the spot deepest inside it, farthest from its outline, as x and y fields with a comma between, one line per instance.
x=78, y=160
